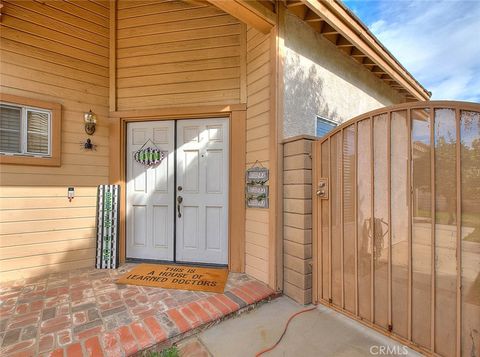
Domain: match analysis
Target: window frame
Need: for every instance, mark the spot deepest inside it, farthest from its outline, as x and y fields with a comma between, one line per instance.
x=54, y=139
x=317, y=117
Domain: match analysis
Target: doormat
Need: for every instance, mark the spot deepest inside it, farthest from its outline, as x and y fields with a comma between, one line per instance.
x=180, y=277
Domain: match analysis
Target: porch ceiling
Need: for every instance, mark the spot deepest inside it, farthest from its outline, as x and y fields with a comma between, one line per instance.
x=341, y=27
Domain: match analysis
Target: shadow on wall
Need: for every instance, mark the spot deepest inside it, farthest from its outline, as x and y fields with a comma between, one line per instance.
x=317, y=73
x=313, y=46
x=303, y=97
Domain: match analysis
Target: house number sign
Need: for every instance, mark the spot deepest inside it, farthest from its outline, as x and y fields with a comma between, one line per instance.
x=108, y=206
x=256, y=189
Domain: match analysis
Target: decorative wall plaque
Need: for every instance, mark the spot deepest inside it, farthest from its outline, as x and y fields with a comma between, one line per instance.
x=257, y=175
x=257, y=202
x=149, y=156
x=108, y=209
x=256, y=190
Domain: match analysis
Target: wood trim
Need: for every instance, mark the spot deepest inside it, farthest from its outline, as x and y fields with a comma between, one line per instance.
x=273, y=244
x=339, y=18
x=173, y=112
x=116, y=176
x=238, y=143
x=117, y=157
x=56, y=134
x=279, y=85
x=250, y=12
x=243, y=63
x=113, y=56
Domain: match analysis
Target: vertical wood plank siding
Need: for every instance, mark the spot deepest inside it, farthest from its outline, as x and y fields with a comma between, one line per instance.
x=58, y=52
x=176, y=53
x=258, y=141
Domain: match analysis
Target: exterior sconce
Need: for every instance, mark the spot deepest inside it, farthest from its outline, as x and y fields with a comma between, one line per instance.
x=90, y=122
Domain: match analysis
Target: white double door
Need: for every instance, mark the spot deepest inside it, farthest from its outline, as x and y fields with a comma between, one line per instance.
x=177, y=210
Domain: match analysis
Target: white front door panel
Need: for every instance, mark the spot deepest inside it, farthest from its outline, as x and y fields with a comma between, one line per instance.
x=202, y=182
x=150, y=193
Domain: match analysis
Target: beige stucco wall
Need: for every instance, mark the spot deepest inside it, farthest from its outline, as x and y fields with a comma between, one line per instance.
x=322, y=80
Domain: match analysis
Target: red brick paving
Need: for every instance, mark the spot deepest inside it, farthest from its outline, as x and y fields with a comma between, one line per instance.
x=157, y=332
x=93, y=347
x=127, y=340
x=74, y=350
x=57, y=353
x=178, y=319
x=111, y=345
x=84, y=313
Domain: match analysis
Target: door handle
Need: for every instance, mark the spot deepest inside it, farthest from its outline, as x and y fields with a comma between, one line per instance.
x=179, y=202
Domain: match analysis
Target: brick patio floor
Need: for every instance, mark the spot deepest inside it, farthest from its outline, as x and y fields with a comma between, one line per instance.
x=84, y=313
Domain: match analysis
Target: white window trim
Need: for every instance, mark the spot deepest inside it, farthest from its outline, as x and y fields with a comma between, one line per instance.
x=24, y=132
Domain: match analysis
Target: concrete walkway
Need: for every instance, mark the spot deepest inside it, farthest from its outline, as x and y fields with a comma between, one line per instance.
x=321, y=332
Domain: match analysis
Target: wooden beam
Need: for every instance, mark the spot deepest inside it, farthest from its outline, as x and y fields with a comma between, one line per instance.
x=310, y=16
x=332, y=37
x=299, y=11
x=291, y=4
x=317, y=26
x=343, y=42
x=368, y=62
x=270, y=5
x=328, y=29
x=250, y=12
x=357, y=53
x=378, y=70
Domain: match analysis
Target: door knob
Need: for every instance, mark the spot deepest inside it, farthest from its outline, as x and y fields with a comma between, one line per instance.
x=179, y=202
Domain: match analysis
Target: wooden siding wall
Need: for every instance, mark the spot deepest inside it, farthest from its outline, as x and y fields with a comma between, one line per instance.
x=176, y=53
x=258, y=144
x=54, y=51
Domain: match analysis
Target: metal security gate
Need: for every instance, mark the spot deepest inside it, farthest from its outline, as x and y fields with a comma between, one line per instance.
x=396, y=211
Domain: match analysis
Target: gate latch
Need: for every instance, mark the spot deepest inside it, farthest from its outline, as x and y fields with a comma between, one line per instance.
x=322, y=188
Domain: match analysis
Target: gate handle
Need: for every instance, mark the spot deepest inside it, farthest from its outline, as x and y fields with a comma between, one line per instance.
x=179, y=201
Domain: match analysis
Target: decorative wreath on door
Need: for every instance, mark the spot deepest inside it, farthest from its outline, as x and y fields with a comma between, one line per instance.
x=149, y=156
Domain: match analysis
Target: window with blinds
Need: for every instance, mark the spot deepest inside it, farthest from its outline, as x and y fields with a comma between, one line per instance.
x=24, y=130
x=323, y=126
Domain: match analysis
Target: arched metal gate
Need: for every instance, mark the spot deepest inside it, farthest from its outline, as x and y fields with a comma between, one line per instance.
x=397, y=223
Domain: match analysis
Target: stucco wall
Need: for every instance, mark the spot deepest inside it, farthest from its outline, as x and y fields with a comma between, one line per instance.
x=321, y=80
